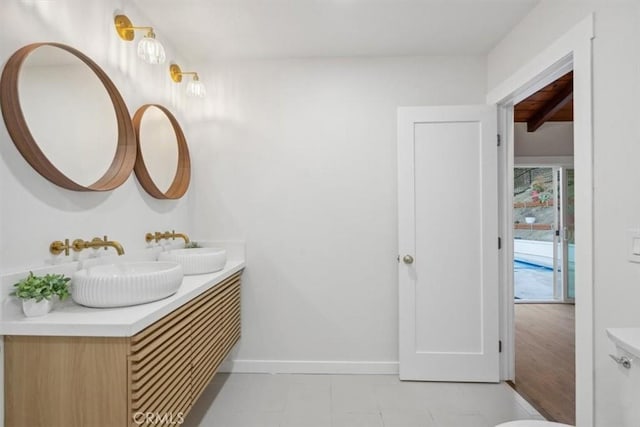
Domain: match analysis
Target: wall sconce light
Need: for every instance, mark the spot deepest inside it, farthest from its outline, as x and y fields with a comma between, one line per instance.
x=150, y=50
x=195, y=87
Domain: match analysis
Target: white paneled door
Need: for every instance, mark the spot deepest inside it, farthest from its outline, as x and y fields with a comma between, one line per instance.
x=448, y=243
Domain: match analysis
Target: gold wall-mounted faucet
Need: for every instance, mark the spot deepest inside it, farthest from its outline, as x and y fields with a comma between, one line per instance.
x=96, y=243
x=157, y=236
x=57, y=247
x=183, y=236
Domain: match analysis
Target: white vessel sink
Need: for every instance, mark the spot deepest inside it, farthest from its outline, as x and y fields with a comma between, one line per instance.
x=127, y=283
x=197, y=260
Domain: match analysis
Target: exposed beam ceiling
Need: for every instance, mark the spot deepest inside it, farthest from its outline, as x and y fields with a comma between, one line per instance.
x=553, y=102
x=548, y=110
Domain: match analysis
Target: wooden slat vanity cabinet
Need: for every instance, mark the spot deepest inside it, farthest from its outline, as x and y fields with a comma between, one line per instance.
x=152, y=378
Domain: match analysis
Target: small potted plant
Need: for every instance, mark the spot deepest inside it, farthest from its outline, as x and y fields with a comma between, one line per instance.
x=36, y=292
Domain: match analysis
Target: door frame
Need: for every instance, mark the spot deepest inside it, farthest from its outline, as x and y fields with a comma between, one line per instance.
x=573, y=50
x=563, y=173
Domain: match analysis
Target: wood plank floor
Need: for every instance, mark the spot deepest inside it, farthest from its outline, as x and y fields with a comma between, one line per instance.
x=545, y=359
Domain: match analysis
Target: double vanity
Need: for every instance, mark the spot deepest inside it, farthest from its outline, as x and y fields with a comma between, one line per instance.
x=114, y=366
x=143, y=335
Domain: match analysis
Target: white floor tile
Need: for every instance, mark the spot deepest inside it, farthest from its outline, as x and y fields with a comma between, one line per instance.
x=306, y=419
x=243, y=419
x=353, y=397
x=356, y=419
x=443, y=397
x=407, y=418
x=527, y=406
x=447, y=419
x=309, y=398
x=308, y=379
x=366, y=380
x=260, y=400
x=497, y=402
x=398, y=396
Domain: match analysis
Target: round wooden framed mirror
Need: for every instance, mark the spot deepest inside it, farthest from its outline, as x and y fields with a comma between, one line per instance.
x=163, y=165
x=67, y=118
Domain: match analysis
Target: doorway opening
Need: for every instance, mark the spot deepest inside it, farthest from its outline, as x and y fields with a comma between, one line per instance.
x=570, y=52
x=543, y=201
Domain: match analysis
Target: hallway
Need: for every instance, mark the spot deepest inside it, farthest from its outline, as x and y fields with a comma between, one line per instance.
x=545, y=358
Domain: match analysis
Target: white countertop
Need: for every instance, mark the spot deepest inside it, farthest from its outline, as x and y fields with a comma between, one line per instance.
x=71, y=319
x=627, y=339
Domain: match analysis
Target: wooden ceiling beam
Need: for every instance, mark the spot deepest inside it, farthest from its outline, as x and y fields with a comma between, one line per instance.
x=550, y=108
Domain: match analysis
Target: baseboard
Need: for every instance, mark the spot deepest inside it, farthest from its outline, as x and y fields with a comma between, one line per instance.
x=309, y=367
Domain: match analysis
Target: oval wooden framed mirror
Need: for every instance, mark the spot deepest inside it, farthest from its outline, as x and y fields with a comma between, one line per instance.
x=163, y=165
x=47, y=93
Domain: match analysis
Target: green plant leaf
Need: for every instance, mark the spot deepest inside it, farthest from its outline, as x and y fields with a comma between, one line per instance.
x=42, y=287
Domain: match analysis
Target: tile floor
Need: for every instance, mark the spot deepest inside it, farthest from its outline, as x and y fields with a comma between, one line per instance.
x=262, y=400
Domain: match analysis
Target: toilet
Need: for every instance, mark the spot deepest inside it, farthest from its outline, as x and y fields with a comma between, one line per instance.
x=627, y=356
x=532, y=423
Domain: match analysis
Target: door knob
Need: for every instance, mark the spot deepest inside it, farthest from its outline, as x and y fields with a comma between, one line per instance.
x=407, y=259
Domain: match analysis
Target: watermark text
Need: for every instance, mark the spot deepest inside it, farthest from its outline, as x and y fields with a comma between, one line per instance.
x=164, y=418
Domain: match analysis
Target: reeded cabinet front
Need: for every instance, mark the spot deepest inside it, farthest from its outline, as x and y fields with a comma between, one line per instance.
x=152, y=378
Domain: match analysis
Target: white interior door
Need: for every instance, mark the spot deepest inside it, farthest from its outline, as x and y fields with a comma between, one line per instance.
x=448, y=243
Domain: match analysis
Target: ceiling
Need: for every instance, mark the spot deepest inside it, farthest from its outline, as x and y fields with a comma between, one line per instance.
x=204, y=30
x=552, y=103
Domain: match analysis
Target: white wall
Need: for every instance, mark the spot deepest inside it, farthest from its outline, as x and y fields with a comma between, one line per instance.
x=552, y=139
x=299, y=158
x=536, y=31
x=616, y=88
x=34, y=212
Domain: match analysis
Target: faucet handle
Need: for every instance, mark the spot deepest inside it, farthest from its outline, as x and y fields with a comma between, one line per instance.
x=97, y=243
x=57, y=247
x=78, y=244
x=105, y=239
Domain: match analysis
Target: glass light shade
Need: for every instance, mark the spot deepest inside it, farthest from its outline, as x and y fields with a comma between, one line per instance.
x=196, y=88
x=151, y=51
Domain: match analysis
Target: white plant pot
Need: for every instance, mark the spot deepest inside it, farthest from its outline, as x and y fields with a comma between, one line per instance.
x=530, y=219
x=31, y=308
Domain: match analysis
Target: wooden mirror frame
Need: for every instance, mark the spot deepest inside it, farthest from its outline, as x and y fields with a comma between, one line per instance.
x=182, y=178
x=124, y=158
